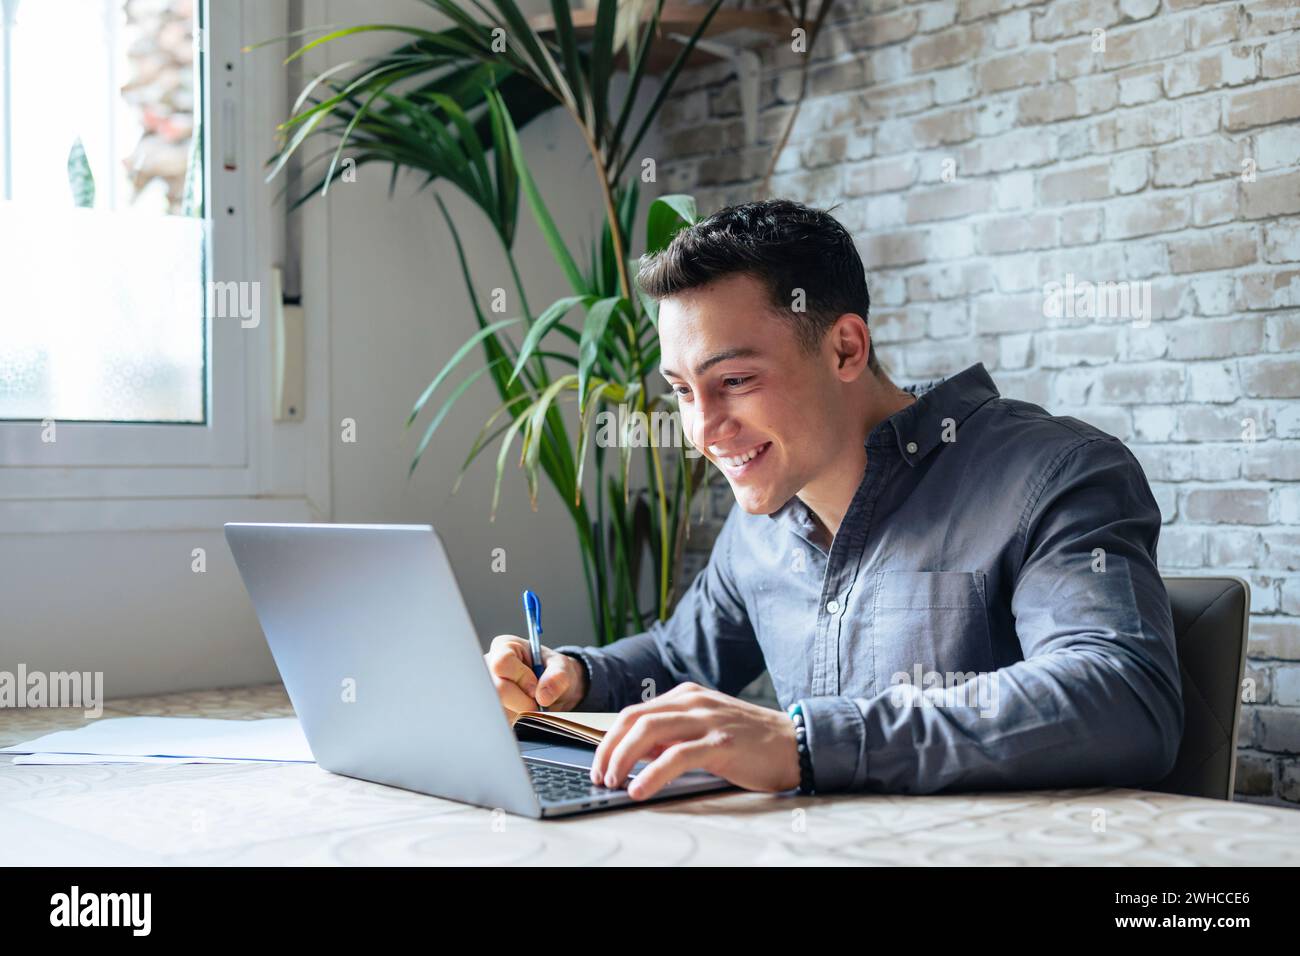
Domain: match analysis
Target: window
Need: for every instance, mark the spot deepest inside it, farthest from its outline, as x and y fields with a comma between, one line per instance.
x=101, y=229
x=136, y=327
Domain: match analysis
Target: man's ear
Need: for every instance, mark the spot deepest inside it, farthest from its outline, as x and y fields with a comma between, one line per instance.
x=850, y=343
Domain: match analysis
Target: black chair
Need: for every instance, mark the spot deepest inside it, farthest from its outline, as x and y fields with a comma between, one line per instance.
x=1211, y=620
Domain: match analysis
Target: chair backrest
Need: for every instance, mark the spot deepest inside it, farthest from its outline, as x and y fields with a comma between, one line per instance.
x=1211, y=616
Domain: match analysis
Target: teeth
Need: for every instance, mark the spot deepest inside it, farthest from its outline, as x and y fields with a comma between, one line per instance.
x=736, y=462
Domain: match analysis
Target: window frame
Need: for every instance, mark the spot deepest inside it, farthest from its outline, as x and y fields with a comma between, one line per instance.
x=125, y=475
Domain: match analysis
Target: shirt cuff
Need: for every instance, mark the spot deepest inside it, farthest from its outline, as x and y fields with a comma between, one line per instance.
x=600, y=678
x=837, y=743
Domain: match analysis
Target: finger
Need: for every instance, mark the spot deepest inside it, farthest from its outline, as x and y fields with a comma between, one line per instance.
x=675, y=761
x=509, y=664
x=555, y=681
x=512, y=697
x=627, y=718
x=652, y=730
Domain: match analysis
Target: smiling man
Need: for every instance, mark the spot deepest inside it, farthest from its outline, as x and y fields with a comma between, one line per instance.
x=950, y=589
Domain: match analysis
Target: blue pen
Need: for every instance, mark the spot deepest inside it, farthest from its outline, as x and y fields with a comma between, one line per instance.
x=533, y=615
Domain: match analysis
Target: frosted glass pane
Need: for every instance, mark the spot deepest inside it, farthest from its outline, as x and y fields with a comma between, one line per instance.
x=102, y=240
x=101, y=316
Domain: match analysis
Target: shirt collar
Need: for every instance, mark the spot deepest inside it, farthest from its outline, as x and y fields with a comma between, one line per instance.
x=916, y=429
x=920, y=427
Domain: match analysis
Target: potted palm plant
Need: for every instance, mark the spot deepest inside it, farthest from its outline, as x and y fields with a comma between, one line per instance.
x=447, y=105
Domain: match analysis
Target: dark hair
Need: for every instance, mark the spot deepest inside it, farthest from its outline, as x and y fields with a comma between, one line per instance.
x=783, y=244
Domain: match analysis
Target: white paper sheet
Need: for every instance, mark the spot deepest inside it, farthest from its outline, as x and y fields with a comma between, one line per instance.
x=275, y=739
x=47, y=759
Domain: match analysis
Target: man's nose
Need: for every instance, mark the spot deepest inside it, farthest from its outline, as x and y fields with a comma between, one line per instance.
x=712, y=425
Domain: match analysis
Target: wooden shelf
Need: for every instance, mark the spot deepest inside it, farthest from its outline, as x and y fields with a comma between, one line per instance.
x=750, y=28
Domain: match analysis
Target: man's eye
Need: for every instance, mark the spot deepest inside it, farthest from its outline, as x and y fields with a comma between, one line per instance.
x=681, y=391
x=735, y=382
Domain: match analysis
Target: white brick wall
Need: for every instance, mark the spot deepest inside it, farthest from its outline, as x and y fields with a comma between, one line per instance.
x=1173, y=157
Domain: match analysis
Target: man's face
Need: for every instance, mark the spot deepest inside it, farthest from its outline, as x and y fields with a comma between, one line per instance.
x=751, y=399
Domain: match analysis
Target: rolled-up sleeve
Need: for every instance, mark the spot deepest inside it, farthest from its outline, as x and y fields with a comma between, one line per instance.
x=707, y=639
x=1097, y=699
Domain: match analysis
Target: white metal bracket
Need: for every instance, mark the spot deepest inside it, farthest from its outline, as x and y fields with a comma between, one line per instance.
x=747, y=67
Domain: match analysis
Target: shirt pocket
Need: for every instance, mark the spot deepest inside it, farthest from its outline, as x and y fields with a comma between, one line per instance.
x=930, y=621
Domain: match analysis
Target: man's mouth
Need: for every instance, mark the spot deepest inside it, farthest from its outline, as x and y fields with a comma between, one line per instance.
x=741, y=462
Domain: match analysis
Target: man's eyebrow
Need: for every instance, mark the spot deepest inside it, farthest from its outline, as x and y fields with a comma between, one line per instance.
x=713, y=360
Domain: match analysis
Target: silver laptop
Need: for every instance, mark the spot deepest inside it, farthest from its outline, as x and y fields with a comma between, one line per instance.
x=381, y=661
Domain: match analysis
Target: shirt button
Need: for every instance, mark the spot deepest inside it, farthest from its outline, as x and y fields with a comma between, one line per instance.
x=833, y=606
x=911, y=448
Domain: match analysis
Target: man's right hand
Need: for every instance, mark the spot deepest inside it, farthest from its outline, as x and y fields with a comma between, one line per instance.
x=561, y=687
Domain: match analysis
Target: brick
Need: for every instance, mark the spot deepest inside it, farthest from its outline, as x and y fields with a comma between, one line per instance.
x=1206, y=252
x=1183, y=164
x=1275, y=103
x=1271, y=377
x=1214, y=382
x=1206, y=28
x=943, y=128
x=1143, y=216
x=1279, y=729
x=1277, y=639
x=1179, y=547
x=879, y=30
x=1254, y=776
x=884, y=175
x=897, y=325
x=1216, y=204
x=1129, y=173
x=1008, y=313
x=1268, y=290
x=950, y=201
x=1280, y=58
x=1214, y=338
x=839, y=76
x=1080, y=226
x=1232, y=547
x=1226, y=506
x=1123, y=386
x=1286, y=685
x=947, y=48
x=1283, y=332
x=1019, y=149
x=1278, y=147
x=1271, y=16
x=1063, y=349
x=1067, y=100
x=948, y=319
x=1075, y=184
x=1141, y=44
x=1157, y=123
x=1208, y=423
x=1156, y=423
x=1017, y=233
x=1072, y=17
x=1140, y=84
x=893, y=249
x=1274, y=461
x=1274, y=195
x=1224, y=66
x=1022, y=68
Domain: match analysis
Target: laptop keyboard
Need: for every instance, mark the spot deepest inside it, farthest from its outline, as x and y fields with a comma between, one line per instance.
x=563, y=783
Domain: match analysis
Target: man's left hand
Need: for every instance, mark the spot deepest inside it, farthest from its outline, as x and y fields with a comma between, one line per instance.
x=691, y=727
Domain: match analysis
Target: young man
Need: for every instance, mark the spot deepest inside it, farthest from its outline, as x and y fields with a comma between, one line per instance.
x=959, y=590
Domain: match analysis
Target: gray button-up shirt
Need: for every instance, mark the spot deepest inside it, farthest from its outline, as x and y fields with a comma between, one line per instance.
x=988, y=615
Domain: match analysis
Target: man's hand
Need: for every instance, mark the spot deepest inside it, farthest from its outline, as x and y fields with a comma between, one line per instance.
x=691, y=727
x=561, y=687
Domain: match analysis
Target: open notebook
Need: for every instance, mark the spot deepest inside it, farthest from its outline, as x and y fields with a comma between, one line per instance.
x=589, y=728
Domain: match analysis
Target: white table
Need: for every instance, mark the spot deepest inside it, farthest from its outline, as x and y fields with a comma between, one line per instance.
x=271, y=814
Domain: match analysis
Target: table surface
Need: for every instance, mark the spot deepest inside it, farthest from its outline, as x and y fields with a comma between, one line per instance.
x=298, y=814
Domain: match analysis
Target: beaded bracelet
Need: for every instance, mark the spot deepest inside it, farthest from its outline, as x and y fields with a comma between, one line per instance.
x=806, y=783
